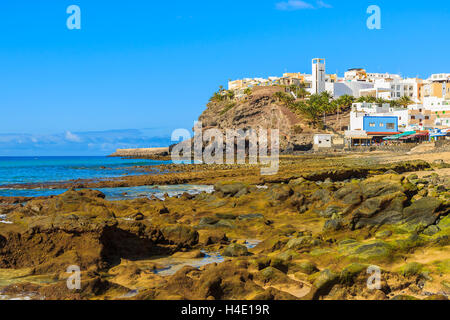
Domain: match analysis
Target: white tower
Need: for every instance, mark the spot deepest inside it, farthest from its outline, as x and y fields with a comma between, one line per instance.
x=318, y=76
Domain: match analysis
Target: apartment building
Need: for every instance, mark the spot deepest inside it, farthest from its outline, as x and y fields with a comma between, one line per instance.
x=362, y=110
x=440, y=77
x=406, y=87
x=436, y=104
x=373, y=77
x=355, y=74
x=438, y=89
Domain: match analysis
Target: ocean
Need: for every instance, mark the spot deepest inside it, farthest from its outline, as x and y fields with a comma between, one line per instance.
x=23, y=170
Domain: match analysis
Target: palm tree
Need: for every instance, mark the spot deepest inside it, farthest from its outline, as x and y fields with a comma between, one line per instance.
x=367, y=99
x=326, y=96
x=317, y=104
x=310, y=110
x=283, y=97
x=278, y=95
x=230, y=94
x=405, y=101
x=361, y=99
x=293, y=88
x=302, y=93
x=325, y=105
x=381, y=101
x=344, y=101
x=394, y=103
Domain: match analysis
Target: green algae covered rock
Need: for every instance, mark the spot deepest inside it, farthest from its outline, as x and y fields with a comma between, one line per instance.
x=404, y=297
x=272, y=275
x=422, y=213
x=350, y=272
x=411, y=269
x=307, y=267
x=325, y=281
x=371, y=251
x=230, y=189
x=383, y=234
x=235, y=250
x=181, y=235
x=333, y=225
x=280, y=192
x=297, y=243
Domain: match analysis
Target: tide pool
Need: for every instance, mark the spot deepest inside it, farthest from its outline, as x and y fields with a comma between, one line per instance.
x=117, y=193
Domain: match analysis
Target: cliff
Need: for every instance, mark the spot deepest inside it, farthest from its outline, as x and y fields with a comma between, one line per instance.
x=262, y=109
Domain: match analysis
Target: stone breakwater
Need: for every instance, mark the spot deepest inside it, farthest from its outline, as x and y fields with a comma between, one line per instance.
x=141, y=153
x=316, y=239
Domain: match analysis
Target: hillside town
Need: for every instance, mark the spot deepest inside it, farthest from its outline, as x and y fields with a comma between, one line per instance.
x=385, y=108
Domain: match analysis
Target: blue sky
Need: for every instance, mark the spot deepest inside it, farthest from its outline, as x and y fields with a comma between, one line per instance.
x=139, y=69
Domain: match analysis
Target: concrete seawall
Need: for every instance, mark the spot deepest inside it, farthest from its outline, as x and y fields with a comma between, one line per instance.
x=144, y=152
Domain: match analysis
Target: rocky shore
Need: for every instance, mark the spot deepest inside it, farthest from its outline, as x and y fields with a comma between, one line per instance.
x=309, y=232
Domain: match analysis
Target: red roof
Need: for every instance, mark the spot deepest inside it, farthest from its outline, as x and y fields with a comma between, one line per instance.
x=382, y=133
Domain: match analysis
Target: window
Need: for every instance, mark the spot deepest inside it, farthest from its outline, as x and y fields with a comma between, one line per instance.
x=372, y=124
x=390, y=126
x=381, y=125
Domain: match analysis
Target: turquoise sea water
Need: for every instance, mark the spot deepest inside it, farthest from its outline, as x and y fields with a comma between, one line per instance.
x=24, y=170
x=20, y=170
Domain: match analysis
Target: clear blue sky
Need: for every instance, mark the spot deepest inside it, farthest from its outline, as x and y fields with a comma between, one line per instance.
x=154, y=64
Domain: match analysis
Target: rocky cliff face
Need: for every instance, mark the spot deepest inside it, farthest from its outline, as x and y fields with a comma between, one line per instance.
x=262, y=110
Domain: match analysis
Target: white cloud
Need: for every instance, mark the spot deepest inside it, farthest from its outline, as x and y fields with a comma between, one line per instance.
x=322, y=4
x=292, y=5
x=72, y=137
x=81, y=143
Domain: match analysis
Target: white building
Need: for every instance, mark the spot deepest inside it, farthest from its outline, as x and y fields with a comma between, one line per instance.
x=322, y=141
x=379, y=93
x=382, y=76
x=355, y=74
x=436, y=104
x=353, y=88
x=318, y=76
x=439, y=77
x=406, y=87
x=361, y=110
x=442, y=122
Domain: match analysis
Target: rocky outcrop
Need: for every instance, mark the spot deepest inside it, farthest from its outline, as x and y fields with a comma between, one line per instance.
x=261, y=110
x=81, y=228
